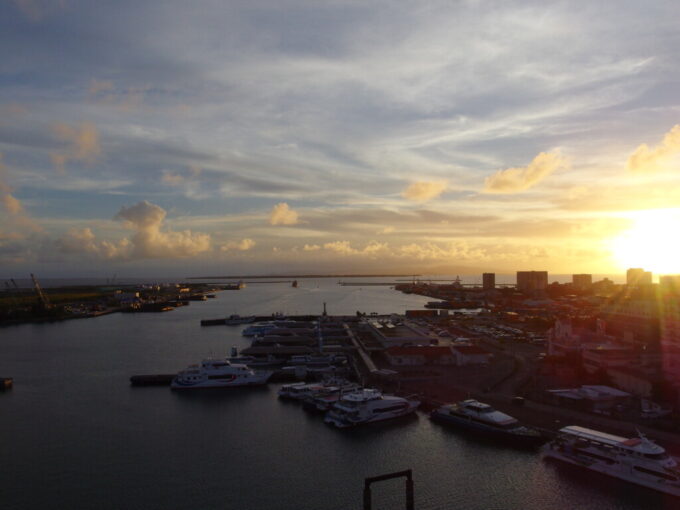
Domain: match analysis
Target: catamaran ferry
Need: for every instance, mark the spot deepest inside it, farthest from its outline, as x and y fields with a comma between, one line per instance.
x=637, y=460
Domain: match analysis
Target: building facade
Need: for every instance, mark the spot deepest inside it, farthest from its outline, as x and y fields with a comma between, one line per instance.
x=582, y=281
x=489, y=281
x=529, y=282
x=636, y=276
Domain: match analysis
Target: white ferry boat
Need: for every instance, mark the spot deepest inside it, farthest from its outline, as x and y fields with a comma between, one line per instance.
x=480, y=417
x=366, y=406
x=637, y=460
x=219, y=373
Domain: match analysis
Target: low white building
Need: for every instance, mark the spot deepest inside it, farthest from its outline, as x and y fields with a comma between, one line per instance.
x=470, y=355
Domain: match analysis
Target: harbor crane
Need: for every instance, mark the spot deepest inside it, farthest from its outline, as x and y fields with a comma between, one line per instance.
x=43, y=300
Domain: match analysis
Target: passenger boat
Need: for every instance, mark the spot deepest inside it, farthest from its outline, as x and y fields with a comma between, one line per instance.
x=366, y=406
x=637, y=460
x=219, y=373
x=480, y=417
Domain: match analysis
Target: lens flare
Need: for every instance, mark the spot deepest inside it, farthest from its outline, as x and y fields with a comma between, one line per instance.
x=653, y=242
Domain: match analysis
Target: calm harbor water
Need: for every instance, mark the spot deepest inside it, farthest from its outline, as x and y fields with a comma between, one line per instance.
x=74, y=434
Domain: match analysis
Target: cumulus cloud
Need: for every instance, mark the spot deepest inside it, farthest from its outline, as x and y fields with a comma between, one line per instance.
x=345, y=248
x=82, y=240
x=514, y=180
x=83, y=144
x=152, y=241
x=645, y=159
x=423, y=191
x=311, y=247
x=9, y=203
x=282, y=214
x=242, y=245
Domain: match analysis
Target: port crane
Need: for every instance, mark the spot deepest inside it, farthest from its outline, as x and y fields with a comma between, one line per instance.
x=43, y=300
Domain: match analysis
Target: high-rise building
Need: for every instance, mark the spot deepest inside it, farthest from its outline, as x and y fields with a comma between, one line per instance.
x=637, y=276
x=489, y=281
x=670, y=283
x=582, y=281
x=530, y=282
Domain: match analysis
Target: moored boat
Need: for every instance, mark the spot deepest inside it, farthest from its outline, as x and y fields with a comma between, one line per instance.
x=366, y=406
x=637, y=460
x=219, y=373
x=480, y=417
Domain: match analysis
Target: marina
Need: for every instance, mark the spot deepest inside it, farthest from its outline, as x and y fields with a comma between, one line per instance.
x=116, y=424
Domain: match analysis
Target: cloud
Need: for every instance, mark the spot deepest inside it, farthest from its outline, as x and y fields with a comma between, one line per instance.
x=514, y=180
x=423, y=191
x=282, y=214
x=10, y=203
x=311, y=247
x=82, y=240
x=242, y=245
x=172, y=179
x=386, y=230
x=151, y=241
x=97, y=87
x=83, y=144
x=341, y=247
x=645, y=159
x=345, y=248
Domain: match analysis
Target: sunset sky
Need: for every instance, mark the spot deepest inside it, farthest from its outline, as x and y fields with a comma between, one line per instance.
x=182, y=138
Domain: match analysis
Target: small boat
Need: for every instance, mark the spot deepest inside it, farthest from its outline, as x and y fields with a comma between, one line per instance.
x=480, y=417
x=295, y=284
x=366, y=406
x=219, y=373
x=637, y=460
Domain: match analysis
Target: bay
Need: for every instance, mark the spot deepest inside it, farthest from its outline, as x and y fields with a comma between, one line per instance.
x=74, y=434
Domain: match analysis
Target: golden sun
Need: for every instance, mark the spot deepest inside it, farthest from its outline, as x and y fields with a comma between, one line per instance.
x=652, y=242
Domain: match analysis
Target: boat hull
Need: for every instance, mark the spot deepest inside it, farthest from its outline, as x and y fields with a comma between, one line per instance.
x=333, y=419
x=262, y=378
x=608, y=470
x=481, y=429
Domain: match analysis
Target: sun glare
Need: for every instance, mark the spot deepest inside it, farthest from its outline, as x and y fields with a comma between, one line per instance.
x=653, y=242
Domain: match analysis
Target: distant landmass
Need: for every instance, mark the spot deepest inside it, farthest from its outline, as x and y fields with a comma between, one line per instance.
x=252, y=277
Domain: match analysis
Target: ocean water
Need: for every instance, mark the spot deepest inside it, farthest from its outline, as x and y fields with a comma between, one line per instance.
x=75, y=434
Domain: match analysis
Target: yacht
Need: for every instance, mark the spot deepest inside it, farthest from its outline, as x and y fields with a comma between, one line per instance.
x=219, y=373
x=637, y=460
x=481, y=417
x=368, y=405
